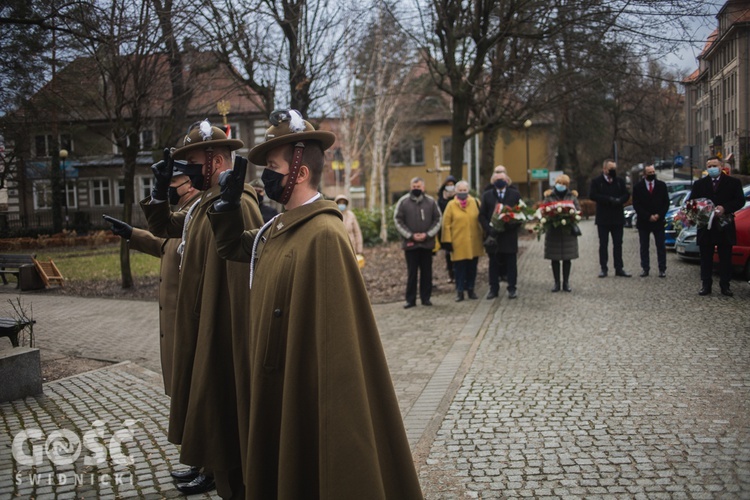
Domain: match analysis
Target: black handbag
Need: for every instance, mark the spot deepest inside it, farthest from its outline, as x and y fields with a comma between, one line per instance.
x=575, y=230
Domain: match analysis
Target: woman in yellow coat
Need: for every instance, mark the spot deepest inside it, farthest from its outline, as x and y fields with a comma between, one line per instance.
x=462, y=236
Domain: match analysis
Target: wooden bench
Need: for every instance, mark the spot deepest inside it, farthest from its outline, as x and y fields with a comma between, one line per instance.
x=10, y=327
x=12, y=263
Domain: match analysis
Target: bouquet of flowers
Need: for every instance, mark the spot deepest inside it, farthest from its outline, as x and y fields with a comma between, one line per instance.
x=505, y=217
x=701, y=212
x=696, y=212
x=557, y=214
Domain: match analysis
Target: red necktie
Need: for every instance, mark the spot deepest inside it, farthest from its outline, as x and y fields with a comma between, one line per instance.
x=650, y=187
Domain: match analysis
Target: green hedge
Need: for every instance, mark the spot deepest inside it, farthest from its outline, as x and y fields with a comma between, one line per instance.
x=369, y=223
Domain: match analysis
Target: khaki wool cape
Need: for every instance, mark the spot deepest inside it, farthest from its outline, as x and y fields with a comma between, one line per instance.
x=324, y=420
x=169, y=268
x=211, y=301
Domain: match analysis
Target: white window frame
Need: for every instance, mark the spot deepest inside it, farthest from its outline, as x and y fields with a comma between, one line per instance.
x=119, y=192
x=145, y=185
x=71, y=193
x=93, y=190
x=42, y=190
x=412, y=153
x=47, y=153
x=116, y=148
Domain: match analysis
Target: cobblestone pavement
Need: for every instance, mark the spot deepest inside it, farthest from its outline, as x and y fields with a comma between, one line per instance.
x=626, y=387
x=623, y=388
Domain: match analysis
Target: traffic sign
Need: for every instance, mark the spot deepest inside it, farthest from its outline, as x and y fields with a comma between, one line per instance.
x=539, y=173
x=678, y=161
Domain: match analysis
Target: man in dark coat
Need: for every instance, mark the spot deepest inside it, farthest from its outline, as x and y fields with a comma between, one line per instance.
x=726, y=194
x=506, y=253
x=610, y=194
x=323, y=419
x=651, y=203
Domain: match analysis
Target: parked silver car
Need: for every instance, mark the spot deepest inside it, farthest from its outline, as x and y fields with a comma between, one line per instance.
x=686, y=245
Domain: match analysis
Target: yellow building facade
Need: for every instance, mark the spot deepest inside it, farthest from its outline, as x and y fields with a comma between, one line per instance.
x=428, y=157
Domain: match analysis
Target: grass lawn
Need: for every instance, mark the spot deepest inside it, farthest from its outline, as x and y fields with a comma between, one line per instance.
x=97, y=263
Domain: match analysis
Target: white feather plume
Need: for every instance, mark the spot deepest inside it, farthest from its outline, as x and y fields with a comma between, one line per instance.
x=206, y=131
x=296, y=123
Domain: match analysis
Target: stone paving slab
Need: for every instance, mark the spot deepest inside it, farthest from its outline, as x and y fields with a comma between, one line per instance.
x=625, y=388
x=115, y=417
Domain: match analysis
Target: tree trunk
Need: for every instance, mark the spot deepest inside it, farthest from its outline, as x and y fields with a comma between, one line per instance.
x=487, y=158
x=459, y=126
x=128, y=173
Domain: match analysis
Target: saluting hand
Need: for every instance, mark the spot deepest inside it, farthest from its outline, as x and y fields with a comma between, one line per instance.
x=162, y=176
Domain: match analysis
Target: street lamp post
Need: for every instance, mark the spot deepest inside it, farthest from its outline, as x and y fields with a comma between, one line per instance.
x=63, y=157
x=527, y=126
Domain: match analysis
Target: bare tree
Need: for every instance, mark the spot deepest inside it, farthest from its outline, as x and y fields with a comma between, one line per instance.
x=124, y=64
x=272, y=39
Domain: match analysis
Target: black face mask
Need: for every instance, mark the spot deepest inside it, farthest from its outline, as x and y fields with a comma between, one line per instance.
x=612, y=173
x=272, y=184
x=174, y=196
x=260, y=198
x=194, y=171
x=651, y=177
x=197, y=182
x=416, y=193
x=500, y=184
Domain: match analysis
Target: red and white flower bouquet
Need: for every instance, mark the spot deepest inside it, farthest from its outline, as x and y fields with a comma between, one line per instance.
x=505, y=217
x=557, y=214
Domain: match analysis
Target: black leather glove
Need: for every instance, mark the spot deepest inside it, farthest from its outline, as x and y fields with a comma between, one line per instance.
x=119, y=227
x=448, y=247
x=232, y=184
x=163, y=176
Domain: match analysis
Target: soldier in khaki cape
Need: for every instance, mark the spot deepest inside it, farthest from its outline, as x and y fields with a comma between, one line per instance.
x=181, y=195
x=211, y=304
x=323, y=419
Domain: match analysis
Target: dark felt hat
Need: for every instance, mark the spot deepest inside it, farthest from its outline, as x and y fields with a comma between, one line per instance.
x=205, y=136
x=288, y=126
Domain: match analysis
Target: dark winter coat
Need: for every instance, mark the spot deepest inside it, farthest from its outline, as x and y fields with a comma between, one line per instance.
x=647, y=204
x=610, y=197
x=417, y=215
x=729, y=195
x=560, y=243
x=507, y=241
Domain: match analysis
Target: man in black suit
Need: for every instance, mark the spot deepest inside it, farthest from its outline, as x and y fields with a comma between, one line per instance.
x=507, y=241
x=651, y=203
x=610, y=194
x=726, y=194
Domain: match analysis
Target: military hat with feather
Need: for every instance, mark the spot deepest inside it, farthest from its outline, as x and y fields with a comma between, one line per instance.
x=203, y=135
x=288, y=127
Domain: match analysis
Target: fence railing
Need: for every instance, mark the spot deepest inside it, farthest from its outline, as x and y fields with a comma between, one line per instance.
x=81, y=221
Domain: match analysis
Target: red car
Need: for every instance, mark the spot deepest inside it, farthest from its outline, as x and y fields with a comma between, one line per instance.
x=741, y=250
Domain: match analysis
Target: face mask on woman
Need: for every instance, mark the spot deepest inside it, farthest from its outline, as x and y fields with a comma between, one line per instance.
x=342, y=206
x=561, y=188
x=462, y=196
